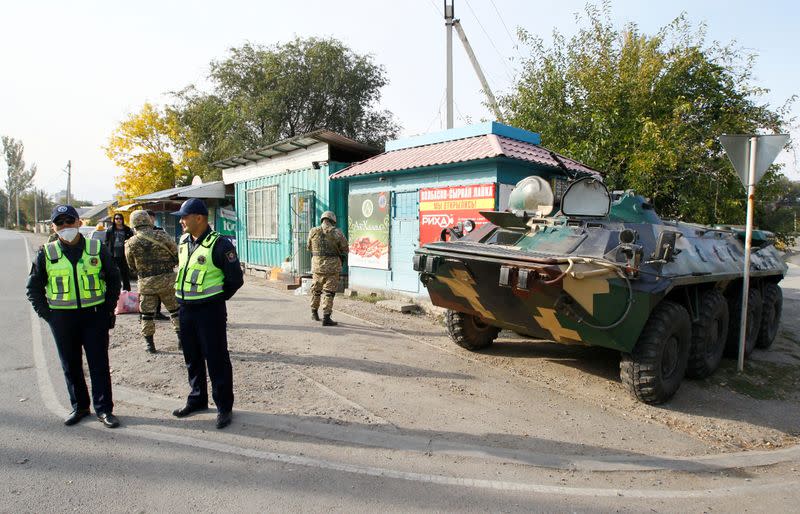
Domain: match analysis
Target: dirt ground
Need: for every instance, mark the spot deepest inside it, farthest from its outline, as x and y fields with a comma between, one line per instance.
x=400, y=372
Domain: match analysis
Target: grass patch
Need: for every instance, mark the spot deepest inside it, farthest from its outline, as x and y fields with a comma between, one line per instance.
x=760, y=380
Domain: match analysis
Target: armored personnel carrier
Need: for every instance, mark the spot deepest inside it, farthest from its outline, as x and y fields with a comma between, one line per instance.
x=605, y=270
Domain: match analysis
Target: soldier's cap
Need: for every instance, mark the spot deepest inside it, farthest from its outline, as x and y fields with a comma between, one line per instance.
x=63, y=210
x=192, y=206
x=140, y=219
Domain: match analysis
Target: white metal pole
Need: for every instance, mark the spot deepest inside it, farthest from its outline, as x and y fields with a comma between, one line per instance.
x=751, y=192
x=449, y=12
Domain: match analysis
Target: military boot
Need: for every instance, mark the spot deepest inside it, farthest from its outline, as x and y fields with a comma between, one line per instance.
x=150, y=344
x=327, y=321
x=315, y=314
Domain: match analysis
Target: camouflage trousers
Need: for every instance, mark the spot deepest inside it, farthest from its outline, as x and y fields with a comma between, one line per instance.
x=324, y=285
x=151, y=290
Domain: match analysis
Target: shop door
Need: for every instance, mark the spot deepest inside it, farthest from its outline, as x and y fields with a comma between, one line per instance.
x=302, y=205
x=403, y=240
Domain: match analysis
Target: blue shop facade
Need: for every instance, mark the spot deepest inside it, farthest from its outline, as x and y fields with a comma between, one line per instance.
x=403, y=197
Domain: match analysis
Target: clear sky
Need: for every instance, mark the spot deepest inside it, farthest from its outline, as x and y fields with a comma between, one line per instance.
x=71, y=71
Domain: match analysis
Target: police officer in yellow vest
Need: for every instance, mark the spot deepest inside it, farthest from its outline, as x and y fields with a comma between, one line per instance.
x=328, y=248
x=209, y=273
x=74, y=285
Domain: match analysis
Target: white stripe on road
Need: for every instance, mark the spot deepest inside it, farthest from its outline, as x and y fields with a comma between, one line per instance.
x=48, y=394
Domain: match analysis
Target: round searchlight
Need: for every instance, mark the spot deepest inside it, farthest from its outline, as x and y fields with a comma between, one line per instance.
x=532, y=194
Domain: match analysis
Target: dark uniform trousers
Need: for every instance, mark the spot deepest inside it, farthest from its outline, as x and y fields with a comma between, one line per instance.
x=205, y=340
x=86, y=330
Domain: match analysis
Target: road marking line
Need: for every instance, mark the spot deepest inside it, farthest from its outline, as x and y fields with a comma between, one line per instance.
x=47, y=392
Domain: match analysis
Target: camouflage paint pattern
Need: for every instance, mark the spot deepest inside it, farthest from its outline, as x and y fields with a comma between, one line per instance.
x=579, y=274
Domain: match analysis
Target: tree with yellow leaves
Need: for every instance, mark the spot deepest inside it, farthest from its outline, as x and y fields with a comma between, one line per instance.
x=147, y=147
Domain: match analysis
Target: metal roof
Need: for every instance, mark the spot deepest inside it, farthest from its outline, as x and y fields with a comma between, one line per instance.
x=462, y=150
x=208, y=190
x=294, y=143
x=93, y=210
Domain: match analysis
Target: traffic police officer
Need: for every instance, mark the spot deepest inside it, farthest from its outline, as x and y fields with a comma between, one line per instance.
x=209, y=273
x=328, y=248
x=152, y=255
x=74, y=285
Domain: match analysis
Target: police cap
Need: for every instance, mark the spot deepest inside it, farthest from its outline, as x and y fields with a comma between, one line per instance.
x=63, y=210
x=192, y=206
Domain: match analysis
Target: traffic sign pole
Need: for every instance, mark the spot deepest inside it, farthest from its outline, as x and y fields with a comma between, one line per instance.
x=751, y=155
x=748, y=241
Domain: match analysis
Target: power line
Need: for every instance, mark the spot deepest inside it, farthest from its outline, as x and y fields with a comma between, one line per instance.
x=514, y=41
x=509, y=72
x=436, y=8
x=438, y=114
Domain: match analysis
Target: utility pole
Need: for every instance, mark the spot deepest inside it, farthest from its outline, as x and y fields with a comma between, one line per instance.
x=16, y=204
x=448, y=21
x=69, y=182
x=35, y=210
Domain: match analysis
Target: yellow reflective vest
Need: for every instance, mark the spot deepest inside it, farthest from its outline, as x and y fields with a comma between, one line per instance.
x=61, y=290
x=198, y=278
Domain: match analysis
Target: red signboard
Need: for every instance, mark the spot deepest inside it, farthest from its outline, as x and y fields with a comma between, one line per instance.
x=443, y=207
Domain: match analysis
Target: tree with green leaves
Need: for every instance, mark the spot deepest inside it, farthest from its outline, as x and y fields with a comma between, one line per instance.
x=647, y=110
x=261, y=95
x=18, y=179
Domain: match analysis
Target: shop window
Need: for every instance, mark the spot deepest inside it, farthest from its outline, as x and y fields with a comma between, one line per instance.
x=262, y=213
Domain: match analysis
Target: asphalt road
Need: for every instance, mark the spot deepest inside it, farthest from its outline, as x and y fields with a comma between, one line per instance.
x=151, y=464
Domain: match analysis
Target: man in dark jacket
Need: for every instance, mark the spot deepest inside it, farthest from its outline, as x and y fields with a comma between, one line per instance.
x=115, y=241
x=209, y=274
x=74, y=286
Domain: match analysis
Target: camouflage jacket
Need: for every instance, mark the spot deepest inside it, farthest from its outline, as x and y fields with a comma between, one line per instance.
x=151, y=254
x=328, y=247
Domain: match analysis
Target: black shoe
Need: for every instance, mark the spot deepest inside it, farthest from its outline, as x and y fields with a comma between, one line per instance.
x=223, y=419
x=75, y=416
x=108, y=419
x=150, y=345
x=186, y=410
x=327, y=321
x=314, y=315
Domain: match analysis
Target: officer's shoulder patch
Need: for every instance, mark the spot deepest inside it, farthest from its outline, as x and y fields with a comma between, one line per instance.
x=231, y=256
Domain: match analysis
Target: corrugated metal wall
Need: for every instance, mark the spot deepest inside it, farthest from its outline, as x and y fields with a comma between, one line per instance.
x=329, y=196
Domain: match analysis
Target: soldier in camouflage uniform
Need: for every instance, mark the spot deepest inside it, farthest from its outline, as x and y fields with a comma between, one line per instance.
x=328, y=248
x=153, y=255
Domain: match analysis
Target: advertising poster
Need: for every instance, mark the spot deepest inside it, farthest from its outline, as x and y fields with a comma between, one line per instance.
x=368, y=218
x=443, y=207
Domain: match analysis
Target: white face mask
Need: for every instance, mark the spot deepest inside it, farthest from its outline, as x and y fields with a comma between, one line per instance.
x=68, y=234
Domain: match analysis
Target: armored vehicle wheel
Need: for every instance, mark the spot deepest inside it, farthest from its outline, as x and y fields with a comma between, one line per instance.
x=709, y=335
x=770, y=315
x=469, y=332
x=754, y=308
x=654, y=369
